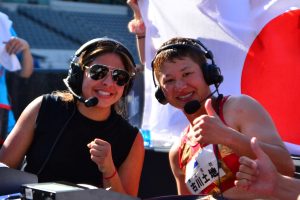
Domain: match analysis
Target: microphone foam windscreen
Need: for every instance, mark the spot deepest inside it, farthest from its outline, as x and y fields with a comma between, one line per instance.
x=91, y=102
x=191, y=107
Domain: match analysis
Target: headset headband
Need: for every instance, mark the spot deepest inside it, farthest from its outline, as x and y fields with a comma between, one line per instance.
x=198, y=46
x=97, y=41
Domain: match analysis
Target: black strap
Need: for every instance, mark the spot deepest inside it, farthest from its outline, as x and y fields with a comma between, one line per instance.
x=216, y=148
x=218, y=102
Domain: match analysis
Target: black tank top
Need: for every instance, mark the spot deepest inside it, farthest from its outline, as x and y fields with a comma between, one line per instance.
x=59, y=150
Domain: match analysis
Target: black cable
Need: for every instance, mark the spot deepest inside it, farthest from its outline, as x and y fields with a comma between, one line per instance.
x=216, y=147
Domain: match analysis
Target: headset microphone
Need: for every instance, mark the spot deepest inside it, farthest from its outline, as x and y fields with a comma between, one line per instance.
x=87, y=102
x=192, y=106
x=90, y=102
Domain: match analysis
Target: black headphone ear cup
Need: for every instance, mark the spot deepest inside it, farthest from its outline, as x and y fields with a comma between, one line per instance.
x=160, y=96
x=212, y=74
x=75, y=77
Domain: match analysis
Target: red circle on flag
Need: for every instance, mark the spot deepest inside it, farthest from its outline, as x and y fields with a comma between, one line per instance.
x=271, y=73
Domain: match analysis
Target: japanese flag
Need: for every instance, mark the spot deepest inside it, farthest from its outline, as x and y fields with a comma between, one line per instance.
x=255, y=43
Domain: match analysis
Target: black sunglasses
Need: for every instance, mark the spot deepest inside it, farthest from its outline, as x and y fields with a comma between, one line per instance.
x=99, y=71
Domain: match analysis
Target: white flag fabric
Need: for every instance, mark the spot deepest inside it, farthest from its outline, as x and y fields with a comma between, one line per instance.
x=255, y=43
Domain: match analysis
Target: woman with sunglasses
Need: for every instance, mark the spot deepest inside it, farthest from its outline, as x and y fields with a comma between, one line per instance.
x=80, y=135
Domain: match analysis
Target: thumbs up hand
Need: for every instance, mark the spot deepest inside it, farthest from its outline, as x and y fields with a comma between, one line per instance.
x=208, y=128
x=209, y=109
x=258, y=175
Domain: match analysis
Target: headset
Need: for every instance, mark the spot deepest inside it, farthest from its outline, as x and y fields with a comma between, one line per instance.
x=212, y=73
x=75, y=73
x=75, y=77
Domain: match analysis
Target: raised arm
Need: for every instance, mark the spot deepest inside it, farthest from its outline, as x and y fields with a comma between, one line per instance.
x=260, y=176
x=245, y=118
x=127, y=178
x=136, y=26
x=16, y=45
x=255, y=121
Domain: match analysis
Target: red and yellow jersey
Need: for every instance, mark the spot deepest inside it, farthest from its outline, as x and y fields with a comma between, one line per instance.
x=208, y=169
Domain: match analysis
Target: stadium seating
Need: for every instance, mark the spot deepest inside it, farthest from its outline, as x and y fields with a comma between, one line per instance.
x=39, y=37
x=46, y=28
